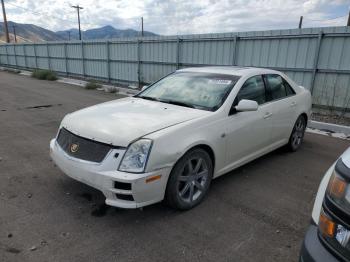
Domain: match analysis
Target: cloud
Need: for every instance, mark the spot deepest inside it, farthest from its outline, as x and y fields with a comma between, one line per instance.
x=180, y=16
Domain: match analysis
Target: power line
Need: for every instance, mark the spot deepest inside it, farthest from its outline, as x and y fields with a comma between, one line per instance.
x=84, y=20
x=134, y=24
x=47, y=15
x=330, y=19
x=40, y=13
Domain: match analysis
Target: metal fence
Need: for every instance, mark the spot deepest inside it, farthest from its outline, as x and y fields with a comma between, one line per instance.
x=317, y=58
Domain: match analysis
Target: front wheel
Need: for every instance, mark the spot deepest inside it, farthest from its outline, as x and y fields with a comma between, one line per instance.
x=189, y=180
x=296, y=138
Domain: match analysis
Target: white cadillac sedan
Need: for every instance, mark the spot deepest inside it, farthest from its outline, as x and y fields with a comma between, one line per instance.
x=170, y=140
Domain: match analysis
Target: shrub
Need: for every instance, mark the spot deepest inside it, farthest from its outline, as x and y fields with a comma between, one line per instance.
x=92, y=85
x=39, y=74
x=44, y=74
x=51, y=76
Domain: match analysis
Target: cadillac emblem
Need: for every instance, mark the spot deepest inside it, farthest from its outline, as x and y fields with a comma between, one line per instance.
x=74, y=148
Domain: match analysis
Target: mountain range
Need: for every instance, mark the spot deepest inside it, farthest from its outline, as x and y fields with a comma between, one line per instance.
x=33, y=33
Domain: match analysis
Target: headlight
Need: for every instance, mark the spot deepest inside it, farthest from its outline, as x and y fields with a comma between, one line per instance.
x=338, y=190
x=337, y=235
x=136, y=156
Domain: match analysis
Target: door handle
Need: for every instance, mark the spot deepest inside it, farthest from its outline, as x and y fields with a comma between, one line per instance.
x=293, y=104
x=267, y=115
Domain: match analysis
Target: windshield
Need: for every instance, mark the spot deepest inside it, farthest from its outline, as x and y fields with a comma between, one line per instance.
x=205, y=91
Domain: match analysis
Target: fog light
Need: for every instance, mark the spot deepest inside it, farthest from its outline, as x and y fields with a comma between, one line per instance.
x=343, y=235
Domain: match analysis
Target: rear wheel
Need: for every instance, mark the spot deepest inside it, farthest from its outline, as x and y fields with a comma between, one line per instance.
x=297, y=136
x=189, y=180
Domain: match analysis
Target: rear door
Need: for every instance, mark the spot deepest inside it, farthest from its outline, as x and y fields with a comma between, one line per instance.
x=283, y=98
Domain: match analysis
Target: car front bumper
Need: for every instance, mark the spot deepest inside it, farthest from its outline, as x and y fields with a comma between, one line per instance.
x=313, y=250
x=121, y=189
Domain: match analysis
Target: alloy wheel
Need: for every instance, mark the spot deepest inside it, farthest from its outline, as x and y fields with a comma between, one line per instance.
x=298, y=133
x=193, y=180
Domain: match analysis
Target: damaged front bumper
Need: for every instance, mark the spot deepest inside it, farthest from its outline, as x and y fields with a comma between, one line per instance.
x=121, y=189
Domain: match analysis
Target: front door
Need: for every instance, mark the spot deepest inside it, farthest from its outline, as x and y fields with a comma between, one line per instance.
x=248, y=134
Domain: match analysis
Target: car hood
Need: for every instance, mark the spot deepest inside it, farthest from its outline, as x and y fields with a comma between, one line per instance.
x=121, y=121
x=345, y=157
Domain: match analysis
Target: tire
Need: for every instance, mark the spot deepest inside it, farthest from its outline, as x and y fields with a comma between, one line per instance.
x=297, y=136
x=189, y=180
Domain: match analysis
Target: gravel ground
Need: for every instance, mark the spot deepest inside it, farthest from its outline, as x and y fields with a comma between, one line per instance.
x=258, y=212
x=331, y=118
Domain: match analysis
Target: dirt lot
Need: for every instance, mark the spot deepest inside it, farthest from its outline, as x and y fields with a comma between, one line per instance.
x=256, y=213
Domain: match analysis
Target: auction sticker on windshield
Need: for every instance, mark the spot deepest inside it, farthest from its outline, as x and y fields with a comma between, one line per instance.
x=220, y=81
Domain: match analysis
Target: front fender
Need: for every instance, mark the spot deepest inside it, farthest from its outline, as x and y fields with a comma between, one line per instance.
x=171, y=144
x=320, y=194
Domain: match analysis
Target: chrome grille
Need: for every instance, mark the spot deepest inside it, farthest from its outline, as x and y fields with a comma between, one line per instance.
x=82, y=148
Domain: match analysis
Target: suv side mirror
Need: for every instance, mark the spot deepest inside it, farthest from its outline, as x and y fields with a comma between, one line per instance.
x=143, y=88
x=246, y=105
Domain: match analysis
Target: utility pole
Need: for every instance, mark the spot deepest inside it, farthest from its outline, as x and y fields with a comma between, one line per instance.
x=142, y=26
x=348, y=24
x=78, y=10
x=14, y=33
x=301, y=22
x=68, y=35
x=5, y=22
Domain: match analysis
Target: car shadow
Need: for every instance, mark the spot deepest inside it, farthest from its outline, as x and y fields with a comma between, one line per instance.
x=84, y=194
x=241, y=171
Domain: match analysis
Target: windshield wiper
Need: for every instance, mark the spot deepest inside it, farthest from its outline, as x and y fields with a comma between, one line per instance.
x=149, y=98
x=178, y=103
x=173, y=102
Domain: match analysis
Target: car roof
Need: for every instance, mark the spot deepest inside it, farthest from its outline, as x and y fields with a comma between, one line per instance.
x=229, y=70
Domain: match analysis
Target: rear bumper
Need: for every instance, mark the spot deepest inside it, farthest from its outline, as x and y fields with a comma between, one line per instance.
x=313, y=250
x=135, y=191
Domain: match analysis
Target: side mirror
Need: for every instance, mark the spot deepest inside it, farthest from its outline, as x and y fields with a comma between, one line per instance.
x=247, y=105
x=143, y=88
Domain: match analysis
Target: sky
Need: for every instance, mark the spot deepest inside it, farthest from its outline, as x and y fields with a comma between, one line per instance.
x=172, y=17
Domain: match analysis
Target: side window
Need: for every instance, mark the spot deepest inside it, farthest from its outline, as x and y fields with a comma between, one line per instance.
x=289, y=89
x=278, y=87
x=252, y=89
x=275, y=85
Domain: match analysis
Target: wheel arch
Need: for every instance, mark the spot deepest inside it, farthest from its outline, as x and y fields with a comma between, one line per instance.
x=305, y=116
x=208, y=149
x=168, y=197
x=202, y=146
